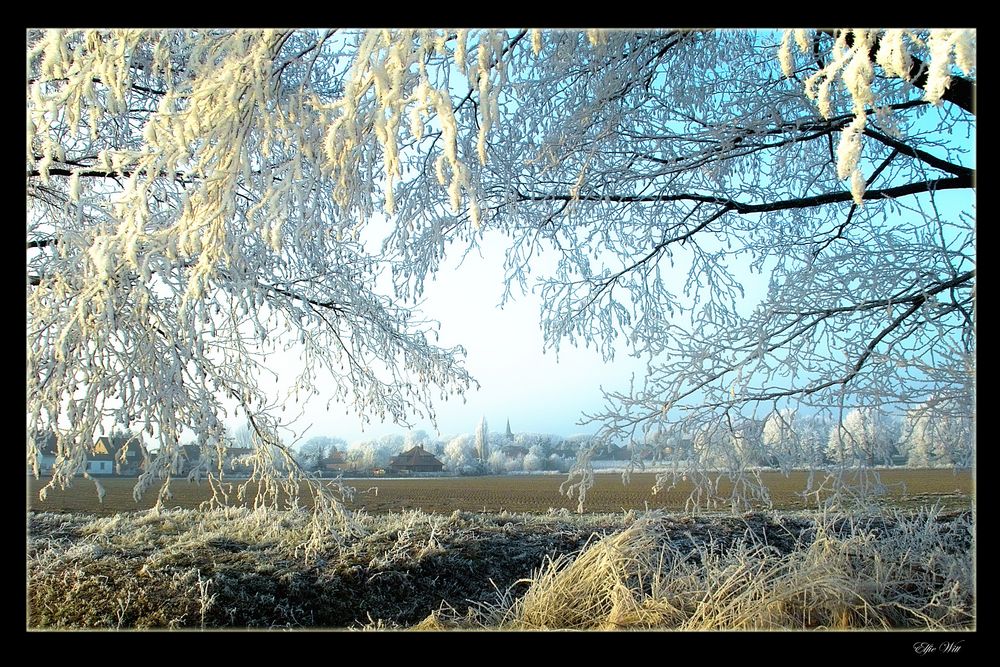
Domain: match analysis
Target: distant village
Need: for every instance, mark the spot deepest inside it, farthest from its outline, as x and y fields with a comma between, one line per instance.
x=123, y=454
x=780, y=440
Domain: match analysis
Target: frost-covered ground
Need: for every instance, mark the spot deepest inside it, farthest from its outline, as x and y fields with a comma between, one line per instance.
x=238, y=568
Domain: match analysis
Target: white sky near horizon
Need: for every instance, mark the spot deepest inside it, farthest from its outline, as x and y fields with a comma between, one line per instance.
x=538, y=392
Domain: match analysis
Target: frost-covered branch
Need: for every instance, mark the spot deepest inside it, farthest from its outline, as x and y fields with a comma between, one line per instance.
x=766, y=218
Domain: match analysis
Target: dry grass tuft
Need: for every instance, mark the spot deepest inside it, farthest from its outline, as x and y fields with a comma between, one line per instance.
x=904, y=571
x=597, y=589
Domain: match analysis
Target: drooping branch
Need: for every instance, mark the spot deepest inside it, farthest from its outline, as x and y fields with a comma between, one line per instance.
x=132, y=85
x=913, y=298
x=855, y=369
x=854, y=207
x=961, y=92
x=180, y=177
x=326, y=305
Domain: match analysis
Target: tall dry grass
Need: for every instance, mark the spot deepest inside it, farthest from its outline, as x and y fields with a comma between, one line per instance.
x=897, y=571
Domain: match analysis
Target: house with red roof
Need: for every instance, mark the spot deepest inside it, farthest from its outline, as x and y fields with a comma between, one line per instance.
x=415, y=459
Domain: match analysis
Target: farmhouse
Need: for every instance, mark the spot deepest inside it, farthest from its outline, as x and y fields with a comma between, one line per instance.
x=126, y=455
x=416, y=459
x=46, y=443
x=109, y=455
x=101, y=459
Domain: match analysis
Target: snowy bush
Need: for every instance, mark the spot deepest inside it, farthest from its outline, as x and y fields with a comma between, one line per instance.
x=460, y=454
x=866, y=437
x=933, y=436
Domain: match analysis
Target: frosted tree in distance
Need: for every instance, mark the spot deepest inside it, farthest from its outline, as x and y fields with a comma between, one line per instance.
x=313, y=451
x=482, y=441
x=865, y=436
x=460, y=454
x=418, y=438
x=932, y=437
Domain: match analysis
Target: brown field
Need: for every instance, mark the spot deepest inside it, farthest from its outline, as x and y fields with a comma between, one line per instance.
x=527, y=493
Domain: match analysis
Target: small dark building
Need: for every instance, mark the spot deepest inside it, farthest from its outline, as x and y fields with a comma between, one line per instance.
x=124, y=451
x=46, y=443
x=416, y=459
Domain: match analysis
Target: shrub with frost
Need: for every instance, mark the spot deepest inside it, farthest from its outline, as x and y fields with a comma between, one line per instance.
x=460, y=454
x=866, y=436
x=934, y=435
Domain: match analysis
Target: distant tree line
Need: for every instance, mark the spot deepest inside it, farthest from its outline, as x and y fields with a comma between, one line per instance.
x=784, y=439
x=787, y=439
x=478, y=453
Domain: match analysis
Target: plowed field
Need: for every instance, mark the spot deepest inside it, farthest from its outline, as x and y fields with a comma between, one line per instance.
x=526, y=493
